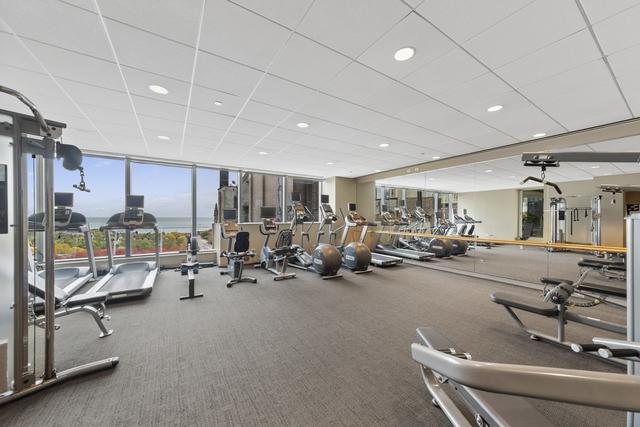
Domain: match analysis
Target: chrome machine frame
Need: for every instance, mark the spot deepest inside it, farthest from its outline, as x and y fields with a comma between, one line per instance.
x=35, y=136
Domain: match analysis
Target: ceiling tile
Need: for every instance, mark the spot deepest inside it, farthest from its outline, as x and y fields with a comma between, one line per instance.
x=597, y=10
x=450, y=70
x=263, y=113
x=619, y=31
x=394, y=98
x=538, y=25
x=50, y=22
x=308, y=63
x=463, y=19
x=286, y=12
x=77, y=67
x=475, y=96
x=140, y=49
x=223, y=75
x=570, y=52
x=281, y=93
x=139, y=81
x=174, y=20
x=413, y=31
x=235, y=33
x=154, y=108
x=356, y=82
x=626, y=67
x=15, y=55
x=210, y=119
x=350, y=27
x=564, y=96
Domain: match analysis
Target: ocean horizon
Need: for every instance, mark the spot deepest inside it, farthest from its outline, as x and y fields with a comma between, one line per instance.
x=165, y=224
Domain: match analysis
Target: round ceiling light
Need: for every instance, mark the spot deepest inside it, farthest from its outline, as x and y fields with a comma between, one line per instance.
x=303, y=125
x=383, y=145
x=404, y=54
x=494, y=108
x=539, y=135
x=164, y=138
x=158, y=89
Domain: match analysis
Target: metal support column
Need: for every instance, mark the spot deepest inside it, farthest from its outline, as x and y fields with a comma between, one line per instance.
x=21, y=376
x=633, y=297
x=50, y=285
x=127, y=192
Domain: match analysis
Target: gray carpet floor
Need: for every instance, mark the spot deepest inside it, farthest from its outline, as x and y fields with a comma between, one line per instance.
x=301, y=352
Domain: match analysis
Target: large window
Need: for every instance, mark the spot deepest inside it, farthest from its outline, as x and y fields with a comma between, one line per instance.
x=309, y=195
x=105, y=178
x=532, y=211
x=257, y=190
x=207, y=185
x=167, y=195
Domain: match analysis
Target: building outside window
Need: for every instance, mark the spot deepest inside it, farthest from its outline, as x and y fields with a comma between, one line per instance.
x=258, y=190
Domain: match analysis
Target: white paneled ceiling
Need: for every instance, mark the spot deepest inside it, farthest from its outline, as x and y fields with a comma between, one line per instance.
x=507, y=173
x=241, y=75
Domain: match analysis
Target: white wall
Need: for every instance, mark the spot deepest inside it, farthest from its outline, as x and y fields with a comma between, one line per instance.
x=498, y=211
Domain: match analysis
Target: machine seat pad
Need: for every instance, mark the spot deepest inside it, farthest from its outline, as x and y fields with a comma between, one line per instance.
x=554, y=281
x=537, y=306
x=87, y=299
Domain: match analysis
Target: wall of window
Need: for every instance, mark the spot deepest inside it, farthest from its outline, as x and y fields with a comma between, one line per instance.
x=170, y=197
x=105, y=177
x=309, y=196
x=208, y=182
x=257, y=190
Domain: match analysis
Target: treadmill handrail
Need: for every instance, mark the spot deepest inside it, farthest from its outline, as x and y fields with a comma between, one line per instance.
x=598, y=389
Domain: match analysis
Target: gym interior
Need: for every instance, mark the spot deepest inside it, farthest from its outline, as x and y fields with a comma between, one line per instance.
x=319, y=212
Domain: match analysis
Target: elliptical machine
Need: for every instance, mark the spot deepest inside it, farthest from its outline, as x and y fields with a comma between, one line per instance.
x=356, y=256
x=275, y=260
x=445, y=227
x=441, y=248
x=325, y=260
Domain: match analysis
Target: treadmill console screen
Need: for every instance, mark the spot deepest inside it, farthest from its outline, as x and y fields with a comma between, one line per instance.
x=267, y=212
x=134, y=202
x=352, y=207
x=229, y=215
x=133, y=210
x=327, y=208
x=63, y=200
x=62, y=209
x=296, y=197
x=324, y=198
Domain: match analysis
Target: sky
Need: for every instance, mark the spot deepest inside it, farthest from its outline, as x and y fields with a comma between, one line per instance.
x=167, y=189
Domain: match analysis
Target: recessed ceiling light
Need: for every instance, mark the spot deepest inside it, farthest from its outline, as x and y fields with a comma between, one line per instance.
x=158, y=89
x=303, y=125
x=494, y=108
x=435, y=157
x=378, y=170
x=383, y=145
x=489, y=170
x=263, y=153
x=217, y=103
x=164, y=138
x=404, y=53
x=329, y=163
x=539, y=135
x=595, y=167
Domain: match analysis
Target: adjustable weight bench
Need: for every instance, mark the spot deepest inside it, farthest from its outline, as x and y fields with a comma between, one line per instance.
x=90, y=303
x=558, y=311
x=613, y=291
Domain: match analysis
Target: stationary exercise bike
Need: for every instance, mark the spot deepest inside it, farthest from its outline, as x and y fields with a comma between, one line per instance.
x=237, y=250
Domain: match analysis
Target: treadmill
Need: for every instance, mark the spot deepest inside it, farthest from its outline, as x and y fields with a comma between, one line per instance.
x=354, y=219
x=67, y=279
x=390, y=220
x=130, y=278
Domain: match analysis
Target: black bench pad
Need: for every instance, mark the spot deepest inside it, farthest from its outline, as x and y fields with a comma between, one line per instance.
x=87, y=299
x=537, y=306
